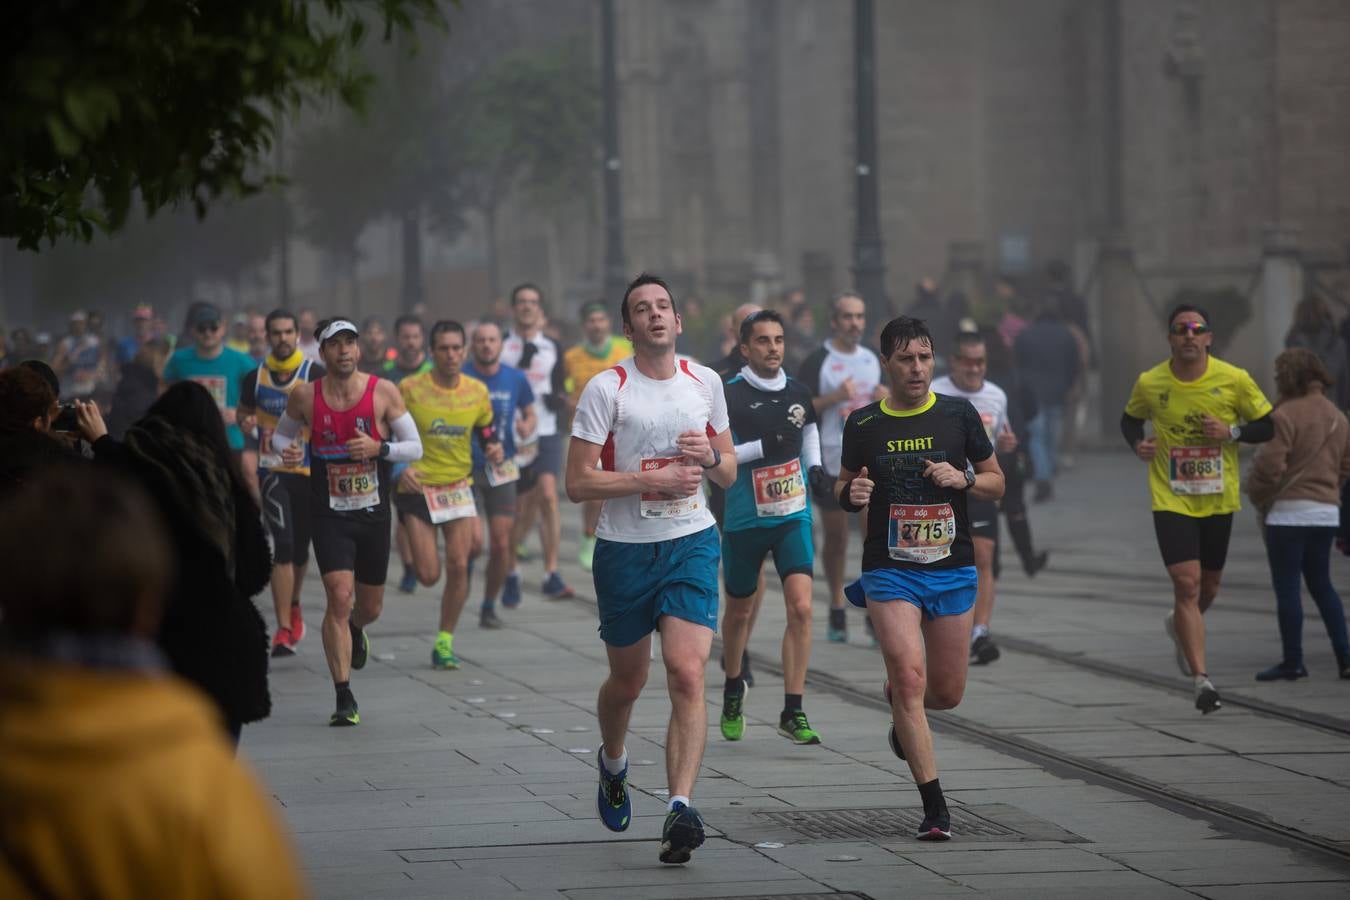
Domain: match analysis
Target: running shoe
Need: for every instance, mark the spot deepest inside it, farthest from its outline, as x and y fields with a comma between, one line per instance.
x=283, y=644
x=682, y=834
x=1206, y=697
x=346, y=713
x=613, y=803
x=297, y=624
x=488, y=619
x=554, y=589
x=1036, y=563
x=523, y=553
x=983, y=651
x=794, y=727
x=511, y=591
x=408, y=583
x=936, y=827
x=443, y=655
x=1170, y=626
x=360, y=646
x=1281, y=672
x=733, y=714
x=838, y=628
x=586, y=554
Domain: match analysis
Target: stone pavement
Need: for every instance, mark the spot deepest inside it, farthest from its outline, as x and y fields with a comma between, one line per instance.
x=1075, y=764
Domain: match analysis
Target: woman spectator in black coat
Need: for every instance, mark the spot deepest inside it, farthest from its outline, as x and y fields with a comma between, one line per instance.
x=212, y=633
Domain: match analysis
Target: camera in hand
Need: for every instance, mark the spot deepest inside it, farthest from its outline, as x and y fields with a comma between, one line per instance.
x=67, y=419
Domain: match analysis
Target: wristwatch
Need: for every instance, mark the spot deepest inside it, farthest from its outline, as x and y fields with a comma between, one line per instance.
x=717, y=459
x=1234, y=432
x=970, y=479
x=384, y=449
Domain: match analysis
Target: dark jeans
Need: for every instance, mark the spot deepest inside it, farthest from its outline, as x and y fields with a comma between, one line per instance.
x=1296, y=551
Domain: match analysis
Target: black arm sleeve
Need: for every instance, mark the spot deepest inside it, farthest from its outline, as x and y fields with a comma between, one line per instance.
x=556, y=399
x=1133, y=429
x=248, y=390
x=1257, y=431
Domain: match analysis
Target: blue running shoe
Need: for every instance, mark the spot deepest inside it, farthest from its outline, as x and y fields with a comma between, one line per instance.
x=511, y=591
x=554, y=588
x=682, y=834
x=408, y=583
x=613, y=803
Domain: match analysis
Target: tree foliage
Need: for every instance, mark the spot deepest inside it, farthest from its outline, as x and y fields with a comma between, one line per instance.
x=166, y=102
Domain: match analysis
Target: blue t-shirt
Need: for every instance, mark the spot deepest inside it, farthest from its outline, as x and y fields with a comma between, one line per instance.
x=221, y=376
x=509, y=391
x=127, y=348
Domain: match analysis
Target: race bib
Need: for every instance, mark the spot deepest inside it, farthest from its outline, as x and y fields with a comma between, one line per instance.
x=527, y=452
x=1196, y=470
x=215, y=384
x=653, y=505
x=921, y=533
x=353, y=485
x=779, y=489
x=504, y=472
x=267, y=457
x=449, y=501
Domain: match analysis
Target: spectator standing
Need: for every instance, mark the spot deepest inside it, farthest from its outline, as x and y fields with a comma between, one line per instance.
x=1295, y=483
x=138, y=388
x=1048, y=358
x=1315, y=329
x=115, y=780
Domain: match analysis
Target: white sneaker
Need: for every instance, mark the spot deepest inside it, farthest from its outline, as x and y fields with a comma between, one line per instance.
x=1170, y=626
x=1206, y=697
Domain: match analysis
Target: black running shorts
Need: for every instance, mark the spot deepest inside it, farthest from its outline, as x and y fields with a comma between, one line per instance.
x=494, y=501
x=285, y=506
x=343, y=544
x=1184, y=538
x=983, y=518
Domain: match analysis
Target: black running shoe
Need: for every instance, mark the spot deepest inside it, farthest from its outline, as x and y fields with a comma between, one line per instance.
x=935, y=827
x=488, y=619
x=1036, y=563
x=360, y=646
x=1206, y=697
x=682, y=834
x=983, y=651
x=1282, y=672
x=346, y=713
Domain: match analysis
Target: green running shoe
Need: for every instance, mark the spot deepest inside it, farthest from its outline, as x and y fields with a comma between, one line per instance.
x=733, y=716
x=346, y=713
x=794, y=727
x=443, y=655
x=360, y=646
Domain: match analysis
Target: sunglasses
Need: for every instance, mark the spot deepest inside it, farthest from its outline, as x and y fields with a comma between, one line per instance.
x=1181, y=328
x=207, y=327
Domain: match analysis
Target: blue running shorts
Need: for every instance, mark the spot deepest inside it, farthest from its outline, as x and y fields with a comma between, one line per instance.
x=939, y=592
x=637, y=584
x=743, y=553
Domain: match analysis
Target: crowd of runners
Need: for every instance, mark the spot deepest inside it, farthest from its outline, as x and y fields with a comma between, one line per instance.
x=453, y=446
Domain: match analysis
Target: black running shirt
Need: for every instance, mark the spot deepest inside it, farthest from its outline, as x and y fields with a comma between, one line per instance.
x=911, y=522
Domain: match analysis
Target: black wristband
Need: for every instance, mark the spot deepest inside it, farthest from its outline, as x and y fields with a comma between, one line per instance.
x=845, y=503
x=717, y=460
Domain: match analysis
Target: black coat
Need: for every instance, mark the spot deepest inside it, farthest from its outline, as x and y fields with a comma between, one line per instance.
x=211, y=633
x=136, y=393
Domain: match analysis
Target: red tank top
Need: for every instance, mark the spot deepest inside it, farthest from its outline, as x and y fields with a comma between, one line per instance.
x=333, y=428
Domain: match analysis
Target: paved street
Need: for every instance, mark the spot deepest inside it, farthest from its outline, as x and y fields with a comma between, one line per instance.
x=1076, y=763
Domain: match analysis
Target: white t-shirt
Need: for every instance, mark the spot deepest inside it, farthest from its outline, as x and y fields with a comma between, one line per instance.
x=824, y=371
x=539, y=373
x=989, y=401
x=636, y=420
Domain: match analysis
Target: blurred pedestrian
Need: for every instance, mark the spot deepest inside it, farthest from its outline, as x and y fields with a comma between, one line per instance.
x=79, y=358
x=1021, y=410
x=115, y=779
x=374, y=344
x=142, y=325
x=1049, y=360
x=1314, y=328
x=258, y=347
x=1295, y=484
x=1015, y=310
x=801, y=336
x=213, y=365
x=211, y=632
x=139, y=386
x=309, y=344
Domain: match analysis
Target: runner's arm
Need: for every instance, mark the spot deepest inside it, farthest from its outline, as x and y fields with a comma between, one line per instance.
x=298, y=405
x=406, y=445
x=585, y=482
x=1132, y=429
x=724, y=473
x=988, y=479
x=1257, y=431
x=811, y=457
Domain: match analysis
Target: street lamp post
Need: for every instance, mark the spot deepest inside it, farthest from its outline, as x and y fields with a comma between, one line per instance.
x=616, y=277
x=869, y=272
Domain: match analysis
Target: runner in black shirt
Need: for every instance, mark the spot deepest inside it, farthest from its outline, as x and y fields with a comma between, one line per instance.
x=911, y=459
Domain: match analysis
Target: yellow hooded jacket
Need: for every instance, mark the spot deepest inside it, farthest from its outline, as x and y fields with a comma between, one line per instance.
x=118, y=784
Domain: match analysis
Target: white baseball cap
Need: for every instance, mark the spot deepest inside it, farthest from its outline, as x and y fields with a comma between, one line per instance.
x=336, y=327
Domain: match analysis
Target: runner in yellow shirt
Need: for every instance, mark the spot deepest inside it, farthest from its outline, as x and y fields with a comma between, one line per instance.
x=600, y=350
x=450, y=410
x=1196, y=404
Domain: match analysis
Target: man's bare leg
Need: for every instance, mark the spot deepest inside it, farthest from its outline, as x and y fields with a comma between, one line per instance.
x=684, y=650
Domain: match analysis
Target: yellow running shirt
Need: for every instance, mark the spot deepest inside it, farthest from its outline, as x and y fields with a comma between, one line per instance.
x=581, y=365
x=445, y=419
x=1192, y=474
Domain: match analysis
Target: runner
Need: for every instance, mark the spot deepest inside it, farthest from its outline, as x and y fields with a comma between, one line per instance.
x=599, y=350
x=80, y=359
x=410, y=358
x=349, y=414
x=1195, y=402
x=923, y=456
x=536, y=354
x=842, y=375
x=494, y=486
x=284, y=489
x=656, y=427
x=450, y=408
x=767, y=510
x=966, y=366
x=214, y=366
